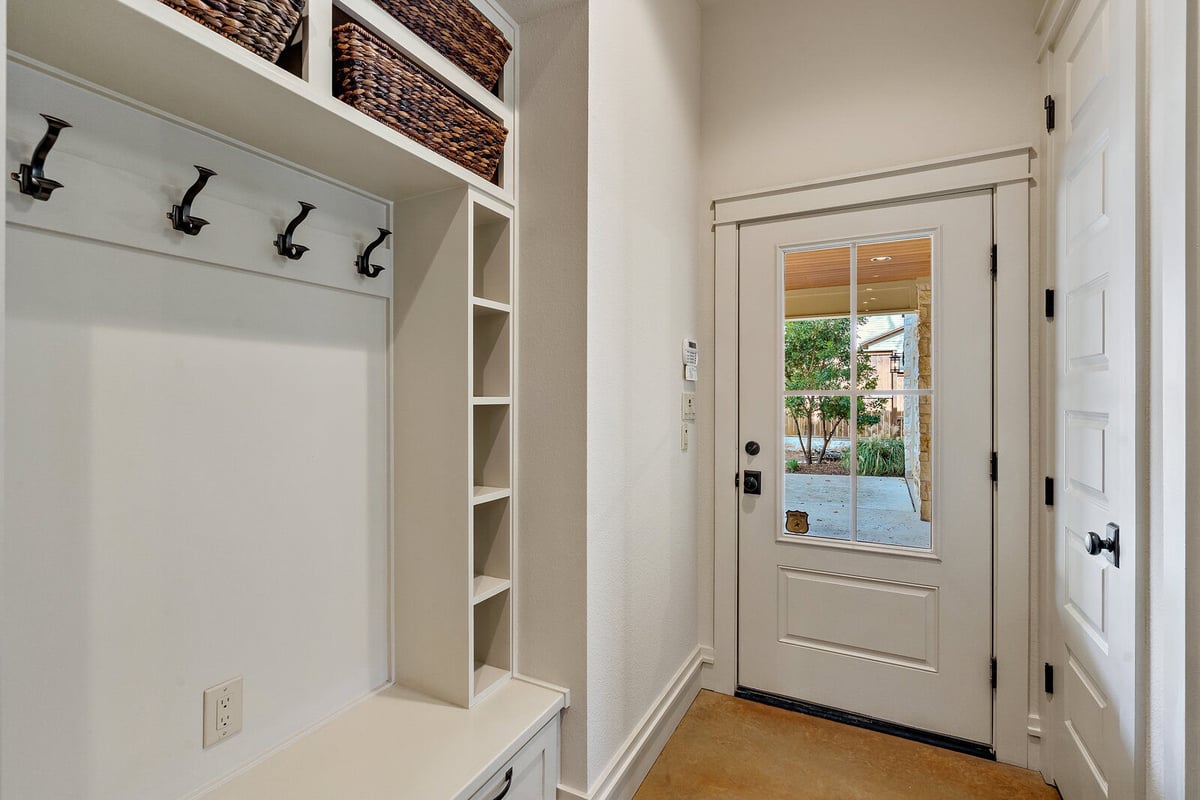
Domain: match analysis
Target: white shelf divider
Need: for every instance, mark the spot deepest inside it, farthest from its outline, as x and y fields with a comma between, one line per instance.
x=488, y=679
x=489, y=494
x=484, y=306
x=485, y=586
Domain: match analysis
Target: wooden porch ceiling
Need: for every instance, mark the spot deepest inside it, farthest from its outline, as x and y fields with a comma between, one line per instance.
x=823, y=269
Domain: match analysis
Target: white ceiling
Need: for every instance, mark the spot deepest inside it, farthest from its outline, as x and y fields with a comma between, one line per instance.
x=525, y=10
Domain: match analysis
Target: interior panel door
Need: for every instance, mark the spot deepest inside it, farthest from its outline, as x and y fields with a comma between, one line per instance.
x=1098, y=406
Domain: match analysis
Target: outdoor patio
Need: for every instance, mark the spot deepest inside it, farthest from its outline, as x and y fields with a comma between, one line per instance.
x=885, y=510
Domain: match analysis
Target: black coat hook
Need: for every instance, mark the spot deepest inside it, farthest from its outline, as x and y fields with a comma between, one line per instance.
x=363, y=262
x=283, y=242
x=31, y=177
x=181, y=215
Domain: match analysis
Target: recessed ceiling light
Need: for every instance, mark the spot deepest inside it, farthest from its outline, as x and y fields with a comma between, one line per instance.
x=878, y=259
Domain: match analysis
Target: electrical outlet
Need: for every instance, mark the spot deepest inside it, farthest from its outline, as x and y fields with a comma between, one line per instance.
x=689, y=406
x=222, y=711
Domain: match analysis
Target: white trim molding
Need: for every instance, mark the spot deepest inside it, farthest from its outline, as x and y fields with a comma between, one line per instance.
x=1008, y=172
x=631, y=763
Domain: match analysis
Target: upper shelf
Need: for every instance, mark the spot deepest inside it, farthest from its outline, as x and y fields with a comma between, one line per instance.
x=153, y=54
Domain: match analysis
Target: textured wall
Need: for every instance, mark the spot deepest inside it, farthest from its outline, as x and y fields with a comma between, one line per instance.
x=643, y=275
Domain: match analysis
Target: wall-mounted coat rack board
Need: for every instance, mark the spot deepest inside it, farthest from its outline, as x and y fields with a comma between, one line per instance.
x=111, y=175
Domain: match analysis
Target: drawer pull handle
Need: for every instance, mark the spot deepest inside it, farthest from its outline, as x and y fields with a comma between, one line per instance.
x=507, y=785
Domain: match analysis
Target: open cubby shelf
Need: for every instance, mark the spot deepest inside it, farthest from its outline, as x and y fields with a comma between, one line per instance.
x=492, y=642
x=492, y=461
x=491, y=255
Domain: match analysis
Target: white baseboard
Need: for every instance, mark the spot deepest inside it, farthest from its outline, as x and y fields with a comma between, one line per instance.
x=629, y=765
x=1035, y=743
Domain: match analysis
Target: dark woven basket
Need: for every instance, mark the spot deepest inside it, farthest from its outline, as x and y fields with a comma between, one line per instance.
x=263, y=27
x=459, y=31
x=384, y=84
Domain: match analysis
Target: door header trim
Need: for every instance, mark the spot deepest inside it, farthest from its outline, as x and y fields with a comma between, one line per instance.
x=982, y=170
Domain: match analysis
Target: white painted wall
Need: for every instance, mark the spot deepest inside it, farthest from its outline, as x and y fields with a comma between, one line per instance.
x=795, y=90
x=643, y=283
x=1173, y=718
x=552, y=369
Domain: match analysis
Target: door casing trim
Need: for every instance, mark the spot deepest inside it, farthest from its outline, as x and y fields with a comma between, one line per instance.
x=1008, y=172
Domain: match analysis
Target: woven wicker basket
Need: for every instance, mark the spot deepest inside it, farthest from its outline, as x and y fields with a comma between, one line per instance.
x=384, y=84
x=262, y=26
x=459, y=31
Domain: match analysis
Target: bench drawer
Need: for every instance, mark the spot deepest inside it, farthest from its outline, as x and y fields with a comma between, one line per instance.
x=532, y=774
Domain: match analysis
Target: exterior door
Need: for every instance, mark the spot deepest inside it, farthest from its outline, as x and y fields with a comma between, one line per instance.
x=865, y=534
x=1098, y=403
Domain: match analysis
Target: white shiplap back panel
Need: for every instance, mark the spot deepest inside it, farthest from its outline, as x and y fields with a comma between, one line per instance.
x=197, y=465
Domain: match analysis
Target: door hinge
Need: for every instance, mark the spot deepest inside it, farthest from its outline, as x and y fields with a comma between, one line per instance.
x=1048, y=105
x=995, y=261
x=1048, y=678
x=1049, y=491
x=1049, y=304
x=995, y=467
x=993, y=672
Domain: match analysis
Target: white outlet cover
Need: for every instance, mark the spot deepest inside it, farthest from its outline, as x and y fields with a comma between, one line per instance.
x=222, y=711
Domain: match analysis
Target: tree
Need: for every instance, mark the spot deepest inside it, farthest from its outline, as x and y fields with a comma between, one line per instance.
x=816, y=357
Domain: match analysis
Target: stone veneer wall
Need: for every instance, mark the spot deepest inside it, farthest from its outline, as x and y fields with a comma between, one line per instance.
x=925, y=404
x=912, y=425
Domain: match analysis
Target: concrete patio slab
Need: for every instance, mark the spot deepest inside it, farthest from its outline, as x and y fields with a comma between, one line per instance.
x=885, y=509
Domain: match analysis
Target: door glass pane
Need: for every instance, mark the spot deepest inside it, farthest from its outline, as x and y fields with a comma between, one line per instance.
x=816, y=447
x=817, y=328
x=893, y=474
x=890, y=484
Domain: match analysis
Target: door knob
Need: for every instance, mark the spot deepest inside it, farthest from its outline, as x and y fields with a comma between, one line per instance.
x=752, y=481
x=1110, y=546
x=752, y=448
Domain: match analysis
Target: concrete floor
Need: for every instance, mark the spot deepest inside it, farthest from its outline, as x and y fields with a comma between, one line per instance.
x=885, y=509
x=734, y=749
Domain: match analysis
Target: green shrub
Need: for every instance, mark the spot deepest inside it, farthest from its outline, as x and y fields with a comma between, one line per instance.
x=879, y=457
x=792, y=465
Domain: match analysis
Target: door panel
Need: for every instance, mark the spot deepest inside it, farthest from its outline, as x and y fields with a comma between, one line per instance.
x=1097, y=407
x=865, y=575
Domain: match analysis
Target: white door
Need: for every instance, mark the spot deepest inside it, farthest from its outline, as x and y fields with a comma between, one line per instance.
x=865, y=561
x=1098, y=414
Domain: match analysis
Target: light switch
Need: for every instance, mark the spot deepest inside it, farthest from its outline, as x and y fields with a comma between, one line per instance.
x=688, y=406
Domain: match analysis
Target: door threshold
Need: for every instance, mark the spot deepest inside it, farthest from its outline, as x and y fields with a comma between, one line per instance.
x=869, y=723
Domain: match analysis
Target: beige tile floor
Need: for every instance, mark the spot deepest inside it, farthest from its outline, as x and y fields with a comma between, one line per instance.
x=732, y=749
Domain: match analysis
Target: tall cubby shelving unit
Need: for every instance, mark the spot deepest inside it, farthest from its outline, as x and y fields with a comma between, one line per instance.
x=454, y=493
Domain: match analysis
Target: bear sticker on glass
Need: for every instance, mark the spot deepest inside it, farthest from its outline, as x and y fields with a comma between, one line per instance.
x=797, y=522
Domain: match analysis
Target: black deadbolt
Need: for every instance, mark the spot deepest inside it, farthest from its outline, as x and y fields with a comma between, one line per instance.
x=752, y=481
x=752, y=448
